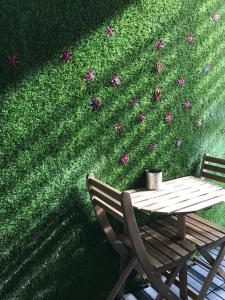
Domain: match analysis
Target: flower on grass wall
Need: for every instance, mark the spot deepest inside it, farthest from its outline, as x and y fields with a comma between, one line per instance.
x=178, y=143
x=67, y=55
x=141, y=117
x=134, y=102
x=181, y=81
x=198, y=122
x=223, y=130
x=168, y=117
x=110, y=31
x=187, y=104
x=159, y=45
x=90, y=75
x=158, y=94
x=206, y=69
x=159, y=67
x=153, y=146
x=13, y=61
x=215, y=16
x=119, y=128
x=115, y=80
x=96, y=103
x=124, y=159
x=191, y=38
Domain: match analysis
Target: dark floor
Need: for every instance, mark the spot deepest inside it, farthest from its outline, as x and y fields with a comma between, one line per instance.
x=196, y=277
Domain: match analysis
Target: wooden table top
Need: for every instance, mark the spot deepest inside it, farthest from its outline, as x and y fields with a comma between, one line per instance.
x=181, y=195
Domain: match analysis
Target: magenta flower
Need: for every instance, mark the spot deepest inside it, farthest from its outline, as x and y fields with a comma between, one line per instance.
x=159, y=67
x=198, y=122
x=215, y=17
x=181, y=81
x=153, y=146
x=124, y=159
x=141, y=117
x=159, y=45
x=178, y=143
x=13, y=61
x=90, y=75
x=187, y=104
x=110, y=31
x=116, y=80
x=158, y=94
x=168, y=117
x=96, y=103
x=119, y=128
x=134, y=102
x=67, y=55
x=191, y=38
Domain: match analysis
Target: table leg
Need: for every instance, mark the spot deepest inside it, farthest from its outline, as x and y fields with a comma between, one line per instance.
x=181, y=230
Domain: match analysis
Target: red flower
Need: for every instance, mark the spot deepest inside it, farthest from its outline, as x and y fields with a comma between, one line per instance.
x=168, y=117
x=191, y=38
x=187, y=104
x=159, y=67
x=153, y=146
x=13, y=61
x=181, y=81
x=90, y=75
x=158, y=94
x=110, y=31
x=134, y=103
x=67, y=55
x=159, y=45
x=119, y=128
x=124, y=159
x=141, y=116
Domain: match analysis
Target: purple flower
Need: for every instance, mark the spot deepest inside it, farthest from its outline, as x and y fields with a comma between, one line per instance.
x=187, y=104
x=115, y=80
x=198, y=122
x=178, y=143
x=159, y=45
x=191, y=38
x=153, y=146
x=13, y=61
x=215, y=17
x=134, y=103
x=96, y=103
x=168, y=118
x=90, y=75
x=119, y=128
x=181, y=81
x=110, y=31
x=206, y=69
x=67, y=55
x=141, y=117
x=124, y=159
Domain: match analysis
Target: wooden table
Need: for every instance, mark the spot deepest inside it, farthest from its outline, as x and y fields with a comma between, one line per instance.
x=178, y=196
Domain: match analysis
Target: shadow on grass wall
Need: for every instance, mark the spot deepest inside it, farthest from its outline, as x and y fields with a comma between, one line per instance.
x=51, y=246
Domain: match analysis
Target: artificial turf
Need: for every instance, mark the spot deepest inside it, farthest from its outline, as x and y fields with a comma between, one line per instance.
x=50, y=244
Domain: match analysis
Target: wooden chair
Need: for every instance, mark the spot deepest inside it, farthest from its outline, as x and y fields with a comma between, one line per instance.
x=201, y=232
x=144, y=249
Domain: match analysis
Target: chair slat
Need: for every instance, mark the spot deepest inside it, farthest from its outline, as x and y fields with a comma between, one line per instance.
x=213, y=176
x=114, y=193
x=214, y=168
x=215, y=160
x=109, y=209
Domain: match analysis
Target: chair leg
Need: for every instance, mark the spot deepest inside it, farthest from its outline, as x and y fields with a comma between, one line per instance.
x=122, y=279
x=183, y=282
x=212, y=272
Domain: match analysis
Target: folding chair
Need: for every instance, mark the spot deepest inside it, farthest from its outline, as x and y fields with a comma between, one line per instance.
x=153, y=255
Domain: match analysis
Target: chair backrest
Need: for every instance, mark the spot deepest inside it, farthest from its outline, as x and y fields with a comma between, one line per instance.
x=213, y=168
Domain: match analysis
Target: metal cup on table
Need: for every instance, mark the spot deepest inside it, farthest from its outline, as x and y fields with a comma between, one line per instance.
x=153, y=178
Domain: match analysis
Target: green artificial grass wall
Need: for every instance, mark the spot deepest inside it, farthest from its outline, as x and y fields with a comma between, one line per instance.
x=50, y=244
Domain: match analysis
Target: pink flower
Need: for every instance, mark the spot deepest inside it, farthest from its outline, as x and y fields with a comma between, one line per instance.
x=110, y=31
x=134, y=102
x=215, y=17
x=90, y=75
x=198, y=122
x=181, y=81
x=168, y=117
x=178, y=143
x=124, y=159
x=13, y=61
x=96, y=103
x=67, y=55
x=119, y=128
x=159, y=67
x=153, y=146
x=141, y=117
x=187, y=104
x=223, y=130
x=191, y=38
x=159, y=45
x=158, y=94
x=116, y=80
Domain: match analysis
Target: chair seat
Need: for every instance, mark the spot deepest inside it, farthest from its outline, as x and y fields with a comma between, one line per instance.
x=199, y=231
x=163, y=253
